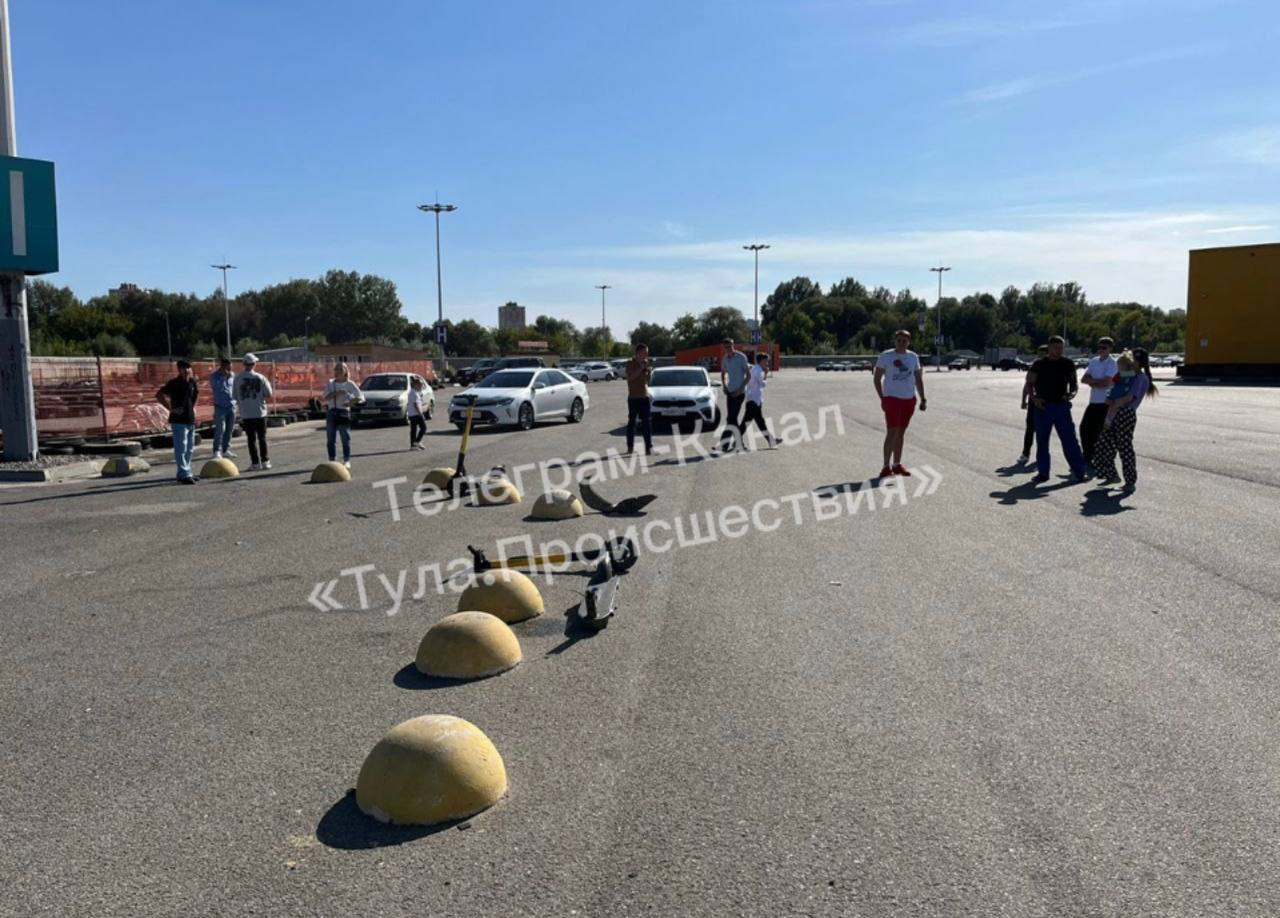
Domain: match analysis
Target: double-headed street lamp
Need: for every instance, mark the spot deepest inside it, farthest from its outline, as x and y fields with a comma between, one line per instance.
x=437, y=208
x=755, y=248
x=938, y=345
x=226, y=304
x=604, y=326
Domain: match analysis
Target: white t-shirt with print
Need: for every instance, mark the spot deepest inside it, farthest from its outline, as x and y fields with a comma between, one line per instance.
x=756, y=384
x=1100, y=369
x=899, y=373
x=415, y=403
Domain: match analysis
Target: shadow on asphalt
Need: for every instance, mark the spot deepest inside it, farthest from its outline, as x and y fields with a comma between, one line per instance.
x=1102, y=502
x=410, y=678
x=110, y=489
x=846, y=487
x=1029, y=490
x=575, y=630
x=346, y=828
x=1018, y=468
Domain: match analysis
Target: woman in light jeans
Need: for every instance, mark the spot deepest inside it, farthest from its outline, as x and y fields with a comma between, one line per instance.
x=340, y=393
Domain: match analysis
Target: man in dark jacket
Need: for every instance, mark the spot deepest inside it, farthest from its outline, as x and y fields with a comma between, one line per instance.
x=179, y=396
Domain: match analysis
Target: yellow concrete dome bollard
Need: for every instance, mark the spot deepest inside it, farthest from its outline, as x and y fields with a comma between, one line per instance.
x=508, y=594
x=124, y=466
x=330, y=471
x=494, y=492
x=439, y=478
x=219, y=468
x=431, y=769
x=556, y=504
x=468, y=645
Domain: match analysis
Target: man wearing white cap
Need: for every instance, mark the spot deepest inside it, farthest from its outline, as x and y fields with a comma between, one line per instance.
x=252, y=390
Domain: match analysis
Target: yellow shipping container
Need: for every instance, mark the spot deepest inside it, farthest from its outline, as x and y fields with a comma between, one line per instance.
x=1233, y=311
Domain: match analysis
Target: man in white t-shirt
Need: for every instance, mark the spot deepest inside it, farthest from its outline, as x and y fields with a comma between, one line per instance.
x=1099, y=377
x=252, y=391
x=898, y=377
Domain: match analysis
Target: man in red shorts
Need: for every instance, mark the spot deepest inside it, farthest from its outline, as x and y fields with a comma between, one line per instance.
x=897, y=378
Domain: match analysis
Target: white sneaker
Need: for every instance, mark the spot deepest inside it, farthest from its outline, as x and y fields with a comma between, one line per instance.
x=255, y=467
x=267, y=464
x=347, y=465
x=216, y=455
x=230, y=455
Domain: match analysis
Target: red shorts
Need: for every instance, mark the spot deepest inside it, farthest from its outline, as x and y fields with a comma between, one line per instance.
x=897, y=411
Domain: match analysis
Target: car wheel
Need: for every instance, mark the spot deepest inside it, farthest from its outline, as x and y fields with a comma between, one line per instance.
x=461, y=425
x=431, y=410
x=575, y=411
x=526, y=416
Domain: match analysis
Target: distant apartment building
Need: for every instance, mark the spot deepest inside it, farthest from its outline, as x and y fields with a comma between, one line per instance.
x=511, y=316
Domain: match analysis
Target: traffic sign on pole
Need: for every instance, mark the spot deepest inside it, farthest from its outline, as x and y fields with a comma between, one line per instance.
x=28, y=216
x=756, y=336
x=442, y=334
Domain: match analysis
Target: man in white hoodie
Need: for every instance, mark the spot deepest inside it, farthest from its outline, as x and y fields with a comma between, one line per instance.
x=252, y=390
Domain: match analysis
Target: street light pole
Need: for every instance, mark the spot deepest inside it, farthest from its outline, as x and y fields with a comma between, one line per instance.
x=755, y=250
x=306, y=339
x=168, y=339
x=604, y=326
x=937, y=364
x=17, y=398
x=226, y=303
x=437, y=208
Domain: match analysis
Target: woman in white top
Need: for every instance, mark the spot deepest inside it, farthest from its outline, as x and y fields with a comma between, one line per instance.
x=755, y=398
x=417, y=417
x=340, y=393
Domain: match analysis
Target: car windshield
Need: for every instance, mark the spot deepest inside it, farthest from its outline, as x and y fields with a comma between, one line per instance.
x=386, y=381
x=678, y=378
x=506, y=379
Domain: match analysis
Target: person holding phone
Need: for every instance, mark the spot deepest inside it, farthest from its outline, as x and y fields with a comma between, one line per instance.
x=638, y=406
x=340, y=393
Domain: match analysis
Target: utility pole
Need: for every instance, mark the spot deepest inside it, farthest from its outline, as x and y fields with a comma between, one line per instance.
x=226, y=303
x=168, y=339
x=755, y=312
x=937, y=365
x=604, y=326
x=17, y=398
x=437, y=208
x=306, y=339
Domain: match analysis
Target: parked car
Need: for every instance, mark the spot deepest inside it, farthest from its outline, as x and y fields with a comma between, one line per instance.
x=845, y=366
x=576, y=371
x=597, y=370
x=517, y=363
x=960, y=363
x=827, y=366
x=477, y=371
x=1012, y=363
x=620, y=366
x=683, y=396
x=862, y=365
x=522, y=397
x=386, y=397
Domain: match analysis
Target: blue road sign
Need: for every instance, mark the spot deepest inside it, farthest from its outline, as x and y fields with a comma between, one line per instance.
x=442, y=334
x=756, y=337
x=28, y=216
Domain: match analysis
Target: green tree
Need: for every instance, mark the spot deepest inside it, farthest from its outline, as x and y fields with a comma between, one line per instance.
x=469, y=338
x=657, y=337
x=720, y=322
x=788, y=293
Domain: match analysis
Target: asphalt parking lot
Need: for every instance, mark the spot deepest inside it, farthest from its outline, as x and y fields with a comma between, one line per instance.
x=992, y=698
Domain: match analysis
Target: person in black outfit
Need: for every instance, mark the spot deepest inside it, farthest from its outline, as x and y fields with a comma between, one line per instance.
x=1051, y=384
x=638, y=405
x=179, y=395
x=1029, y=435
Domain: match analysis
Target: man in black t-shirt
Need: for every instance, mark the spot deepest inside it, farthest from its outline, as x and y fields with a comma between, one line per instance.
x=180, y=395
x=1051, y=385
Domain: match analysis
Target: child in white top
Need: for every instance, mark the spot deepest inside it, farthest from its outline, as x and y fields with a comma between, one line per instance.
x=417, y=414
x=754, y=406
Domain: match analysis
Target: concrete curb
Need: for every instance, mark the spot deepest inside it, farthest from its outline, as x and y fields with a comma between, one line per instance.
x=90, y=469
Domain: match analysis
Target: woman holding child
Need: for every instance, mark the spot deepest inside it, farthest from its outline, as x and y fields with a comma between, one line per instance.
x=1131, y=385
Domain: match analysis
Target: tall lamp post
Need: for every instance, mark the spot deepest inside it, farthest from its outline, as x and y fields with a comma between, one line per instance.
x=604, y=326
x=755, y=312
x=168, y=339
x=17, y=397
x=226, y=303
x=306, y=339
x=437, y=208
x=937, y=367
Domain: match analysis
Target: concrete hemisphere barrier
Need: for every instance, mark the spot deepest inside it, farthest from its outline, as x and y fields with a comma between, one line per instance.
x=494, y=492
x=468, y=645
x=439, y=478
x=508, y=594
x=219, y=468
x=124, y=466
x=556, y=504
x=327, y=472
x=431, y=769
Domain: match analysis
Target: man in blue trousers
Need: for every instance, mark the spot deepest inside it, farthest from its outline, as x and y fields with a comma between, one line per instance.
x=1051, y=385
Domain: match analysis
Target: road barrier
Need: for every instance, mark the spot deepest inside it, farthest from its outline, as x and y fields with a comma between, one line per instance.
x=116, y=396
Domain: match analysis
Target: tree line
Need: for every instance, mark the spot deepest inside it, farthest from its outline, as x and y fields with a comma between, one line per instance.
x=349, y=307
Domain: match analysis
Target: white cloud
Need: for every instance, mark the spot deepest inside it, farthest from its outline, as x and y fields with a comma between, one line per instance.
x=1138, y=256
x=1257, y=146
x=942, y=33
x=1019, y=86
x=675, y=229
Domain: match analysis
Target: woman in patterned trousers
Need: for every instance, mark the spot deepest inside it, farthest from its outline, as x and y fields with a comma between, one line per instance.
x=1117, y=436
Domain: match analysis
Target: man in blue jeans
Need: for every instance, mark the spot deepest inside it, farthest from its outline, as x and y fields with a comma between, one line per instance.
x=1051, y=385
x=179, y=396
x=224, y=409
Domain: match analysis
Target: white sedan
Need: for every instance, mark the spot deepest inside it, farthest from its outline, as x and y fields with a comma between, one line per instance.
x=522, y=398
x=386, y=397
x=598, y=370
x=684, y=395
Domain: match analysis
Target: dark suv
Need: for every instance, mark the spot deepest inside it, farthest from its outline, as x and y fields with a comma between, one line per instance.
x=517, y=363
x=477, y=371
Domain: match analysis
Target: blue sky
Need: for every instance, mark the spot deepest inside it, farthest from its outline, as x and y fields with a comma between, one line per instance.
x=641, y=145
